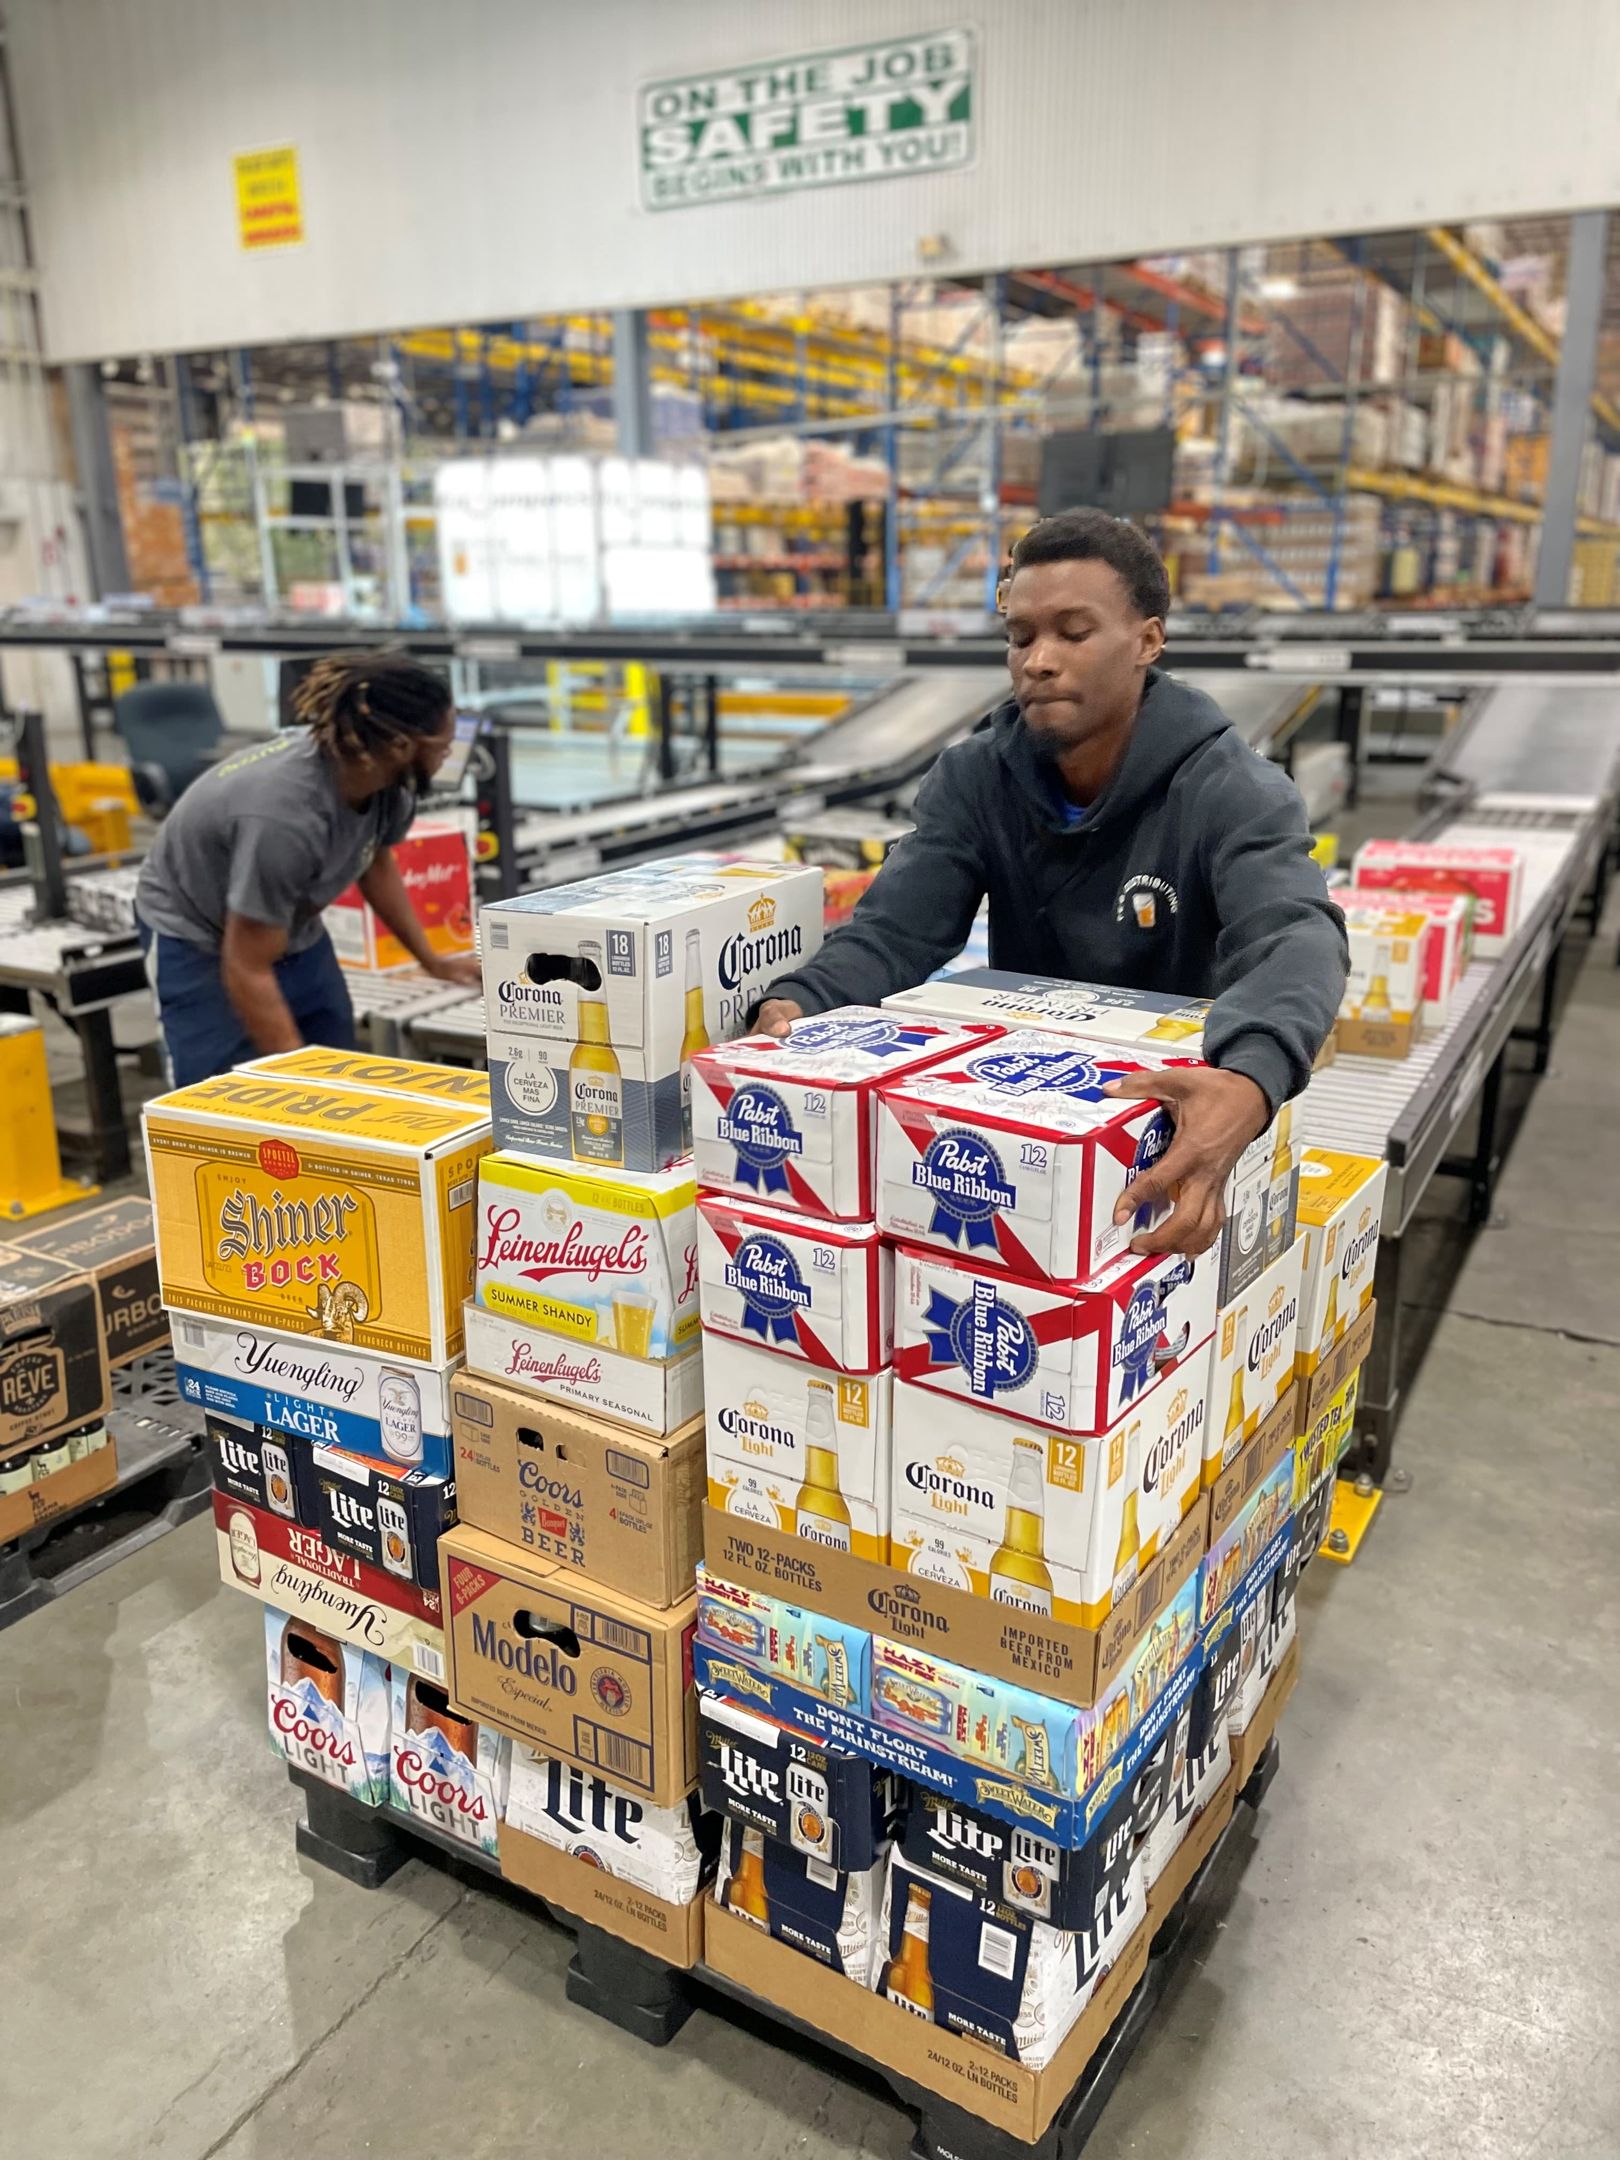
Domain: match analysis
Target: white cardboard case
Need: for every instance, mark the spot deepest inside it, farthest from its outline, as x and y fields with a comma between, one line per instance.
x=793, y=1121
x=1341, y=1205
x=651, y=1395
x=822, y=1291
x=1098, y=1012
x=433, y=1777
x=654, y=1848
x=1253, y=1360
x=329, y=1713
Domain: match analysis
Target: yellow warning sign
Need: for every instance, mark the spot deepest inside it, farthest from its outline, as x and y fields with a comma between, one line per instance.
x=269, y=200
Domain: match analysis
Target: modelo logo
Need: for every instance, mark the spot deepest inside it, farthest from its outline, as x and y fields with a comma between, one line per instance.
x=534, y=1658
x=944, y=1487
x=28, y=1381
x=577, y=1802
x=1269, y=1334
x=571, y=1254
x=755, y=1429
x=321, y=1377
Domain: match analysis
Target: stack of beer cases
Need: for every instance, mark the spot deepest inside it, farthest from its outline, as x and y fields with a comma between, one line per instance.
x=797, y=1302
x=578, y=1435
x=313, y=1214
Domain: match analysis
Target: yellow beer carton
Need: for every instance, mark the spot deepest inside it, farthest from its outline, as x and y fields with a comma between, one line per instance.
x=377, y=1075
x=317, y=1210
x=1341, y=1205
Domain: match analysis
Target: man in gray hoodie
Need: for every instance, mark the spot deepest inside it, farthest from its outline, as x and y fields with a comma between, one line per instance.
x=1124, y=834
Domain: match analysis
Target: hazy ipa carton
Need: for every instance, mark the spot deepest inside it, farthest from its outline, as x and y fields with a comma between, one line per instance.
x=598, y=993
x=794, y=1121
x=1253, y=1360
x=1492, y=876
x=315, y=1210
x=1013, y=1152
x=1341, y=1204
x=446, y=1771
x=1076, y=1356
x=820, y=1291
x=329, y=1708
x=601, y=1258
x=1099, y=1012
x=798, y=1448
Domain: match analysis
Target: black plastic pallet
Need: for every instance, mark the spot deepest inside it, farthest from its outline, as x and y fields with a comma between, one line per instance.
x=163, y=1480
x=652, y=2000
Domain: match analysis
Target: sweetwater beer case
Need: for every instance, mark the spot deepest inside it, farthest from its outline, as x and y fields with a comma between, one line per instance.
x=1018, y=1864
x=765, y=1635
x=980, y=1967
x=1099, y=1012
x=314, y=1209
x=391, y=1519
x=801, y=1791
x=793, y=1121
x=338, y=1396
x=1074, y=1356
x=665, y=1851
x=53, y=1363
x=600, y=1258
x=329, y=1707
x=821, y=1291
x=828, y=1913
x=797, y=1448
x=446, y=1771
x=1252, y=1364
x=597, y=993
x=115, y=1244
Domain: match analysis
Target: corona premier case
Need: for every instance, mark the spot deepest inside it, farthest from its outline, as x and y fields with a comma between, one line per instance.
x=824, y=1657
x=1075, y=1356
x=793, y=1121
x=1098, y=1012
x=823, y=1801
x=821, y=1291
x=1494, y=876
x=826, y=1912
x=1381, y=1012
x=665, y=1851
x=597, y=993
x=1341, y=1205
x=306, y=1209
x=328, y=1707
x=445, y=1770
x=602, y=1259
x=1253, y=1362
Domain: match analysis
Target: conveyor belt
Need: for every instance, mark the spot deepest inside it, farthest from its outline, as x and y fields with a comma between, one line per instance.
x=1540, y=739
x=1261, y=708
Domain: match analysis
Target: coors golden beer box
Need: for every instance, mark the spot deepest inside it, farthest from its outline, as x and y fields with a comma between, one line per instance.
x=319, y=1210
x=53, y=1365
x=115, y=1244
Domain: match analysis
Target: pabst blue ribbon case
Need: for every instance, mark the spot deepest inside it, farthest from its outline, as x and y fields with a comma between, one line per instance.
x=821, y=1291
x=1013, y=1153
x=446, y=1770
x=666, y=1851
x=797, y=1447
x=821, y=1800
x=1099, y=1012
x=830, y=1914
x=793, y=1121
x=599, y=1258
x=329, y=1708
x=1075, y=1356
x=596, y=995
x=810, y=1650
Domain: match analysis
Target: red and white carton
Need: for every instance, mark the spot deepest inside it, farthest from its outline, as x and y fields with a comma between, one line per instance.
x=1074, y=1356
x=1494, y=876
x=817, y=1290
x=436, y=866
x=328, y=1706
x=1445, y=949
x=445, y=1770
x=1013, y=1152
x=793, y=1121
x=650, y=1395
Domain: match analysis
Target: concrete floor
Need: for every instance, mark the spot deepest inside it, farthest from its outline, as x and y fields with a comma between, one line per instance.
x=1419, y=1960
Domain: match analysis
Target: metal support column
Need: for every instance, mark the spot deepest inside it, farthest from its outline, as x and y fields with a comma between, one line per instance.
x=1572, y=398
x=98, y=480
x=711, y=725
x=632, y=384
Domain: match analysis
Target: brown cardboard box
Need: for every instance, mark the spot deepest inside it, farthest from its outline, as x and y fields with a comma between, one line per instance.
x=1271, y=1441
x=1249, y=1745
x=582, y=1889
x=53, y=1363
x=116, y=1245
x=976, y=2077
x=1315, y=1389
x=1051, y=1656
x=47, y=1498
x=577, y=1492
x=1190, y=1855
x=577, y=1670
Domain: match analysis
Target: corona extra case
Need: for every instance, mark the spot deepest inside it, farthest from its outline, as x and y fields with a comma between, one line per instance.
x=1341, y=1205
x=821, y=1291
x=1252, y=1364
x=1075, y=1356
x=314, y=1210
x=798, y=1448
x=594, y=991
x=1493, y=876
x=329, y=1710
x=1013, y=1153
x=1099, y=1012
x=603, y=1259
x=793, y=1121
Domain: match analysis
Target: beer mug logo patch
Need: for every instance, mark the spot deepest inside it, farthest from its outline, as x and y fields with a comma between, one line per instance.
x=1144, y=898
x=989, y=1339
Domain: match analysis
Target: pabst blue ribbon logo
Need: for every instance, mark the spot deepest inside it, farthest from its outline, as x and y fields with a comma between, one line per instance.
x=991, y=1340
x=773, y=1290
x=872, y=1038
x=964, y=1174
x=1047, y=1072
x=1144, y=1348
x=1155, y=1137
x=759, y=1125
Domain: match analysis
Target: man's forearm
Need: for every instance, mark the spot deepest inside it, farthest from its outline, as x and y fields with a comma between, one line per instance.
x=384, y=890
x=259, y=1005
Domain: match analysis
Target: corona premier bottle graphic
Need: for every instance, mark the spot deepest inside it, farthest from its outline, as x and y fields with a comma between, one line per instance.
x=1018, y=1573
x=1171, y=1029
x=821, y=1513
x=745, y=1893
x=696, y=1037
x=906, y=1978
x=595, y=1087
x=1128, y=1559
x=1375, y=1005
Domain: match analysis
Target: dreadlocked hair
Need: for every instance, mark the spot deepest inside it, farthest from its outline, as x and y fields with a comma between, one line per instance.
x=357, y=703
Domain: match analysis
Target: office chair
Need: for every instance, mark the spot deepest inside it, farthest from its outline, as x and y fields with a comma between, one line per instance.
x=172, y=731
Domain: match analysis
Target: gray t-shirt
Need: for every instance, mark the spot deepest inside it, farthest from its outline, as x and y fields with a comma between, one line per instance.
x=265, y=834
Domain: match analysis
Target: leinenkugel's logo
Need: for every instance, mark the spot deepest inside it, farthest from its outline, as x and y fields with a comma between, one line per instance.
x=970, y=1187
x=759, y=1125
x=991, y=1340
x=1141, y=896
x=773, y=1289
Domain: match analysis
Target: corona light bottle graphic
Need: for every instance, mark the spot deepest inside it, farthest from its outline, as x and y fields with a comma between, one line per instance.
x=1236, y=1415
x=1375, y=1005
x=745, y=1893
x=696, y=1037
x=906, y=1978
x=821, y=1513
x=1018, y=1573
x=1128, y=1559
x=595, y=1088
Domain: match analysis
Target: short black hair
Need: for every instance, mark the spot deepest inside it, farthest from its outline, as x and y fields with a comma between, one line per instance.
x=1094, y=536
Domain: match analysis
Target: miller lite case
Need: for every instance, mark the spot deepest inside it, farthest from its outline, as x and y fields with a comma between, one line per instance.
x=254, y=1465
x=824, y=1801
x=1200, y=1778
x=665, y=1851
x=977, y=1966
x=820, y=1291
x=1016, y=1864
x=793, y=1120
x=597, y=993
x=329, y=1707
x=392, y=1519
x=445, y=1770
x=828, y=1913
